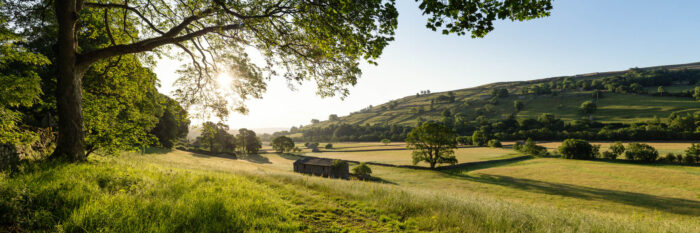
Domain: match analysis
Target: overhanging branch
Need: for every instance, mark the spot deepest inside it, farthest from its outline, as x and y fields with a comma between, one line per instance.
x=86, y=59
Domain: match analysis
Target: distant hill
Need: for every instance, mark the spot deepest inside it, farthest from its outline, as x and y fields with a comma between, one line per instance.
x=619, y=100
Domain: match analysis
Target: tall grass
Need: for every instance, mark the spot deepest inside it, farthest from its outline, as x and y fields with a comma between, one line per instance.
x=105, y=197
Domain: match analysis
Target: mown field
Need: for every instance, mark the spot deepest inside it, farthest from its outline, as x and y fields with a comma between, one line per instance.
x=398, y=154
x=184, y=192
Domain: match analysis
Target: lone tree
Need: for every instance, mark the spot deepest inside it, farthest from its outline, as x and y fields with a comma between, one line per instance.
x=283, y=144
x=299, y=40
x=333, y=117
x=518, y=105
x=587, y=108
x=433, y=143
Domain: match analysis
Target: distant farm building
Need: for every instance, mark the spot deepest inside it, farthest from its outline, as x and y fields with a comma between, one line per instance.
x=323, y=167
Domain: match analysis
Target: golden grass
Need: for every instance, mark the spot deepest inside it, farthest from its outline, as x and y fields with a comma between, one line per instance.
x=665, y=193
x=397, y=154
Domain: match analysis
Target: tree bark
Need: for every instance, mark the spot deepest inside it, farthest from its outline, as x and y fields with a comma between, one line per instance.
x=71, y=144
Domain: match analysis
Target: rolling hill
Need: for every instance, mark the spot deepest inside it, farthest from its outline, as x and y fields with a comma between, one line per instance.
x=614, y=105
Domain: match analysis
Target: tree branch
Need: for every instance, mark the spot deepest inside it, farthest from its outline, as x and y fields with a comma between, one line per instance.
x=125, y=7
x=86, y=59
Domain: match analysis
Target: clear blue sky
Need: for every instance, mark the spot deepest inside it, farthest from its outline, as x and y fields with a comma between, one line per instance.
x=579, y=37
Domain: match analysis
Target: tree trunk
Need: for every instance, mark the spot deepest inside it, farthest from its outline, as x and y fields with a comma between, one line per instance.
x=71, y=145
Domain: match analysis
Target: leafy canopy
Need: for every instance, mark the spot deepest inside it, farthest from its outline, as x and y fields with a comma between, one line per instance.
x=283, y=144
x=320, y=41
x=433, y=143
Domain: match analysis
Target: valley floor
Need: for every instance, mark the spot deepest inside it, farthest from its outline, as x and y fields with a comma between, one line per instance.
x=184, y=192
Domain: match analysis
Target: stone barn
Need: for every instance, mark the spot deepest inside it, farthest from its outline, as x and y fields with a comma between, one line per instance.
x=322, y=167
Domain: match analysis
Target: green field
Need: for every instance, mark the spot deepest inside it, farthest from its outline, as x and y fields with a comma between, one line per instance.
x=184, y=192
x=397, y=154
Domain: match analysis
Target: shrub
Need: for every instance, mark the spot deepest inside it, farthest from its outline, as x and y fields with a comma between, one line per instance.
x=670, y=157
x=617, y=148
x=329, y=146
x=311, y=145
x=690, y=159
x=386, y=141
x=517, y=146
x=641, y=152
x=464, y=140
x=609, y=155
x=692, y=153
x=530, y=148
x=479, y=138
x=339, y=163
x=362, y=170
x=679, y=158
x=577, y=149
x=495, y=143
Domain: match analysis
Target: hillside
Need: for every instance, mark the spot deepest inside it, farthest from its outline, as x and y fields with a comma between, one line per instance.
x=614, y=105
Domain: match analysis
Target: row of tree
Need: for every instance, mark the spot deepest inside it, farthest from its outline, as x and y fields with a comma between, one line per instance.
x=215, y=137
x=545, y=127
x=633, y=81
x=582, y=149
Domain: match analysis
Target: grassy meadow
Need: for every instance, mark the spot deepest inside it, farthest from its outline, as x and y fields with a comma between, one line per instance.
x=180, y=191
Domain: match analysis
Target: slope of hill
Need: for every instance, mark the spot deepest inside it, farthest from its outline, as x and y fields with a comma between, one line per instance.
x=615, y=105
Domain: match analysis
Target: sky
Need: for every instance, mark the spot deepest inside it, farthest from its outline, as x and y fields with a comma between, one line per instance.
x=579, y=37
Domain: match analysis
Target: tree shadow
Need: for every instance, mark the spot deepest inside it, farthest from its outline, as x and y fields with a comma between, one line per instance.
x=157, y=150
x=365, y=150
x=666, y=204
x=255, y=158
x=207, y=154
x=289, y=156
x=472, y=166
x=373, y=179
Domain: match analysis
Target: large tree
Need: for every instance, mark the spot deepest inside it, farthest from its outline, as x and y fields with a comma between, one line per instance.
x=298, y=39
x=433, y=143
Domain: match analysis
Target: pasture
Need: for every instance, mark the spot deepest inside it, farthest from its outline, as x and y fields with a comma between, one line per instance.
x=613, y=107
x=534, y=195
x=397, y=153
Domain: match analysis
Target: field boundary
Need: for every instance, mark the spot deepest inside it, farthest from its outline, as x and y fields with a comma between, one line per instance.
x=441, y=168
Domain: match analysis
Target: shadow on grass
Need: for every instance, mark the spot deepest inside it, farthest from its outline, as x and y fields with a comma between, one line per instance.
x=255, y=158
x=157, y=150
x=373, y=179
x=471, y=166
x=206, y=154
x=289, y=156
x=365, y=150
x=665, y=204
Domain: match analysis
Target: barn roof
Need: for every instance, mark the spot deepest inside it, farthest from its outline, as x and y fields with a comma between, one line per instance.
x=315, y=161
